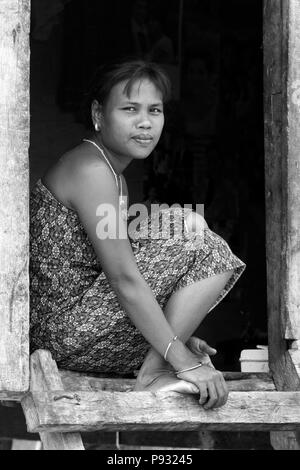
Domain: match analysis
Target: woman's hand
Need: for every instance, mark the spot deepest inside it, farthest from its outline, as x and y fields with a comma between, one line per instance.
x=201, y=349
x=210, y=383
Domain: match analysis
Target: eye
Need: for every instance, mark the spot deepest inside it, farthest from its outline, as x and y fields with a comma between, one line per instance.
x=130, y=109
x=156, y=110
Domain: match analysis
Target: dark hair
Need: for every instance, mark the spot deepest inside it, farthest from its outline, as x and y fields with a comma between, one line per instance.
x=109, y=75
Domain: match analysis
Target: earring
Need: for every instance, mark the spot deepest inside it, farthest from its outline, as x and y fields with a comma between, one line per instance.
x=97, y=127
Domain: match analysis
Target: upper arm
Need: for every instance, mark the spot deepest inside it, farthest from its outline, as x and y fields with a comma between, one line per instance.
x=94, y=196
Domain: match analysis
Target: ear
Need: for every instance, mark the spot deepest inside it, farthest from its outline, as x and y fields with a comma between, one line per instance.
x=96, y=111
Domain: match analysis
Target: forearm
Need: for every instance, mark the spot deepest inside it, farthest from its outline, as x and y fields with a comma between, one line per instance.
x=138, y=301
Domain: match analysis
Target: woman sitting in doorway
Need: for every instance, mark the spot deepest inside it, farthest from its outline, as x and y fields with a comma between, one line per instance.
x=114, y=301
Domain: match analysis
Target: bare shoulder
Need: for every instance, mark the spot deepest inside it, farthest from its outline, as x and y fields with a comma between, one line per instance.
x=62, y=178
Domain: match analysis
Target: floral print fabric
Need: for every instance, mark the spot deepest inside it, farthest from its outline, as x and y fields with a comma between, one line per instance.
x=74, y=311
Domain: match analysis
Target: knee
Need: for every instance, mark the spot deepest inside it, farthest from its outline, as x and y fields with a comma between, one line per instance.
x=195, y=222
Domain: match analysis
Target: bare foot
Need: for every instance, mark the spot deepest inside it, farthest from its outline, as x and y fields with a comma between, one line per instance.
x=164, y=382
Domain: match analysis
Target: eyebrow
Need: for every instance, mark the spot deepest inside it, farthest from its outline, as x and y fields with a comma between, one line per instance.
x=138, y=104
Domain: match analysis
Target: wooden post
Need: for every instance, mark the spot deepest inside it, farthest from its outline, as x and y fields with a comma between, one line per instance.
x=292, y=303
x=44, y=376
x=282, y=167
x=14, y=197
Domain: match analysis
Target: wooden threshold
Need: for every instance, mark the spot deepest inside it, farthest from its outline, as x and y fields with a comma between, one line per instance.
x=61, y=411
x=63, y=403
x=12, y=396
x=236, y=381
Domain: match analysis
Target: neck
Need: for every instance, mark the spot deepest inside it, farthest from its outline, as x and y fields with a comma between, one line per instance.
x=118, y=162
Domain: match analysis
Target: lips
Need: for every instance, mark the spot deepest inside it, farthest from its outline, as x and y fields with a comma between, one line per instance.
x=143, y=138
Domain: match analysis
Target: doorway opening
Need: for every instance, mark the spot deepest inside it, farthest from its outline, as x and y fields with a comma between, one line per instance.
x=212, y=149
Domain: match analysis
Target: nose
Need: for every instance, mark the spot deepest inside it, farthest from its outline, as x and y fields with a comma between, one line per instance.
x=144, y=121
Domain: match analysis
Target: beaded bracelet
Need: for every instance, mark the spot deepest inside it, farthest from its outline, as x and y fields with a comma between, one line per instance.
x=189, y=368
x=168, y=347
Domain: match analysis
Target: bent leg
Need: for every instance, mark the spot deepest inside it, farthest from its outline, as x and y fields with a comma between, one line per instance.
x=185, y=310
x=211, y=275
x=187, y=307
x=208, y=270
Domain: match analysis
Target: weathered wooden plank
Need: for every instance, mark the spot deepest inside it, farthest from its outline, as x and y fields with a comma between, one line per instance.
x=22, y=444
x=294, y=355
x=292, y=307
x=14, y=195
x=61, y=441
x=284, y=440
x=289, y=440
x=282, y=159
x=118, y=411
x=287, y=373
x=279, y=168
x=45, y=376
x=274, y=172
x=236, y=381
x=154, y=448
x=11, y=396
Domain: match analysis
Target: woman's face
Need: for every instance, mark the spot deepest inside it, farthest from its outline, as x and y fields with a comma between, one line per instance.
x=131, y=126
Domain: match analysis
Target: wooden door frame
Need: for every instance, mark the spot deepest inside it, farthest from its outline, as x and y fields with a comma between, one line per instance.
x=282, y=187
x=282, y=173
x=14, y=197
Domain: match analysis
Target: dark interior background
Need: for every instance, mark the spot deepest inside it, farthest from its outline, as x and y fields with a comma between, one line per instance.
x=211, y=151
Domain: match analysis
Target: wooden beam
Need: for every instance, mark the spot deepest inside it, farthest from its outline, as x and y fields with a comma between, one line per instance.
x=14, y=196
x=236, y=381
x=282, y=164
x=23, y=444
x=117, y=411
x=292, y=306
x=8, y=395
x=45, y=376
x=275, y=171
x=282, y=170
x=294, y=355
x=289, y=440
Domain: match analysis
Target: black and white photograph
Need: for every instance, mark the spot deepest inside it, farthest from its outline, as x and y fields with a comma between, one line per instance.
x=150, y=228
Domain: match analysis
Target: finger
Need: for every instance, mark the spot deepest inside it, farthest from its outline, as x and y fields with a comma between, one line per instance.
x=198, y=345
x=193, y=345
x=204, y=347
x=192, y=342
x=213, y=397
x=203, y=393
x=224, y=386
x=222, y=391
